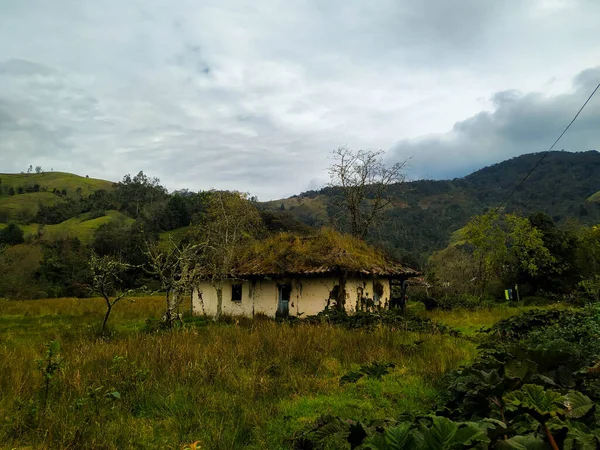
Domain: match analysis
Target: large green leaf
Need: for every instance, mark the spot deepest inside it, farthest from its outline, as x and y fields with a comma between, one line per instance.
x=470, y=434
x=577, y=405
x=518, y=369
x=533, y=399
x=440, y=434
x=528, y=442
x=396, y=438
x=578, y=440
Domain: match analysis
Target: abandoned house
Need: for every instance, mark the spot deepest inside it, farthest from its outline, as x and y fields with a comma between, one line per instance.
x=288, y=275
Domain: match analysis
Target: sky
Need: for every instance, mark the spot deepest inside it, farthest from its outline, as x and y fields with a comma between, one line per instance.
x=254, y=96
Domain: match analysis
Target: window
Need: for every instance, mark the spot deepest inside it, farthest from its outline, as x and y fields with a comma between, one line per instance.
x=236, y=292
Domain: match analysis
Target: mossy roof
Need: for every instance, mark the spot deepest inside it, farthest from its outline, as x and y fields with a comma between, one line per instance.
x=325, y=251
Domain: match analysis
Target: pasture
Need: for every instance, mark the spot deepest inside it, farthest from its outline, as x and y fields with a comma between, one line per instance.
x=239, y=384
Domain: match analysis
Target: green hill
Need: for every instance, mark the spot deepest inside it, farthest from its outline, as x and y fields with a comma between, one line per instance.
x=48, y=181
x=21, y=194
x=425, y=213
x=16, y=207
x=594, y=197
x=81, y=227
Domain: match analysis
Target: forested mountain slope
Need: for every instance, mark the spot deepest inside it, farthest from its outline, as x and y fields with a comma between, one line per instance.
x=424, y=213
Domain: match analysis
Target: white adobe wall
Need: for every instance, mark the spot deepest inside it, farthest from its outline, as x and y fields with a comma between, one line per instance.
x=308, y=296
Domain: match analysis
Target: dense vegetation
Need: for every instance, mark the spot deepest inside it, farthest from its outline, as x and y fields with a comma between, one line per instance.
x=154, y=377
x=425, y=213
x=48, y=257
x=533, y=386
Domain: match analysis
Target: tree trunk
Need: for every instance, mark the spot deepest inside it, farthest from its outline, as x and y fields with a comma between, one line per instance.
x=168, y=309
x=108, y=309
x=219, y=290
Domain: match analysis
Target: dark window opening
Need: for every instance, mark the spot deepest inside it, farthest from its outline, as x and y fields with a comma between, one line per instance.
x=377, y=291
x=236, y=292
x=286, y=291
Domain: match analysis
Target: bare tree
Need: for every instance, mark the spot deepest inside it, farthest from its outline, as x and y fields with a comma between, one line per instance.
x=106, y=276
x=174, y=266
x=230, y=221
x=364, y=179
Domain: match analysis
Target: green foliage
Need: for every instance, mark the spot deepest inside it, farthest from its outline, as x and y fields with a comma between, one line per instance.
x=19, y=265
x=533, y=386
x=431, y=210
x=11, y=235
x=49, y=366
x=374, y=370
x=65, y=268
x=370, y=320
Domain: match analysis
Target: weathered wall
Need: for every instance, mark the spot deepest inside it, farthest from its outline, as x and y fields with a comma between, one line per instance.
x=308, y=296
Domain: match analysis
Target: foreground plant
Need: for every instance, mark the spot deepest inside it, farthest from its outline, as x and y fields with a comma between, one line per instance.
x=106, y=277
x=49, y=366
x=535, y=386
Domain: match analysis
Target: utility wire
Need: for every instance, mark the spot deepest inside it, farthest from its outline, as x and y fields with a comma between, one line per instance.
x=549, y=150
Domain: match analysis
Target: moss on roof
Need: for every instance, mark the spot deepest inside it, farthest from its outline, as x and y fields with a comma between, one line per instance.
x=325, y=251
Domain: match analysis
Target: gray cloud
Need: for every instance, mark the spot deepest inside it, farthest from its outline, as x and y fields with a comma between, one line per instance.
x=519, y=123
x=254, y=95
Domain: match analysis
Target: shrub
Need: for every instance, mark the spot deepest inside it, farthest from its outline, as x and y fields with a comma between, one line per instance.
x=11, y=235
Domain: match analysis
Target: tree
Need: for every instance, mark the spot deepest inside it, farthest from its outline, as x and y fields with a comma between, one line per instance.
x=364, y=179
x=174, y=267
x=38, y=169
x=65, y=266
x=106, y=274
x=30, y=168
x=505, y=247
x=228, y=224
x=453, y=272
x=11, y=235
x=11, y=191
x=589, y=262
x=134, y=193
x=18, y=272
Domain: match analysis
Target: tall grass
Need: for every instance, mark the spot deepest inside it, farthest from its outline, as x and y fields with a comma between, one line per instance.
x=227, y=386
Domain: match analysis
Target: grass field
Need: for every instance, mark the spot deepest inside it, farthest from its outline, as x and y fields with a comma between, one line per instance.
x=80, y=227
x=250, y=384
x=55, y=180
x=26, y=205
x=15, y=206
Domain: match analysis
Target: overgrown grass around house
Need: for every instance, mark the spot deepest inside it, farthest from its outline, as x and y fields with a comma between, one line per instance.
x=250, y=385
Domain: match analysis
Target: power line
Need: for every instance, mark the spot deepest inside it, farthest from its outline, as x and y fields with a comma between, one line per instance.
x=549, y=150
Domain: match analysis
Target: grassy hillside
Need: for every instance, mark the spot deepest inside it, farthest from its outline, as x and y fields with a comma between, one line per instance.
x=594, y=197
x=14, y=207
x=54, y=180
x=24, y=206
x=425, y=213
x=81, y=227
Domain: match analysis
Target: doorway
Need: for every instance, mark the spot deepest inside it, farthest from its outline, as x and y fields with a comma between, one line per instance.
x=283, y=303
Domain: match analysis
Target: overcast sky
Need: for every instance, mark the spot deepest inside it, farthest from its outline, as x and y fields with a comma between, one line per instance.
x=254, y=95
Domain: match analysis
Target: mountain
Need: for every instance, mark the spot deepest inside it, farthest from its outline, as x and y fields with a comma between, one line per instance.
x=424, y=213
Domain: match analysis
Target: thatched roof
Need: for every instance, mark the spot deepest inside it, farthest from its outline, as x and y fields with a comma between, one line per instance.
x=326, y=251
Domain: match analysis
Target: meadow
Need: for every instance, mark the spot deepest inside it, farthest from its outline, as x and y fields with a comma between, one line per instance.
x=240, y=384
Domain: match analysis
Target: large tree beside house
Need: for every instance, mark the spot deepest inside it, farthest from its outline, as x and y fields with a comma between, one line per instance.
x=229, y=223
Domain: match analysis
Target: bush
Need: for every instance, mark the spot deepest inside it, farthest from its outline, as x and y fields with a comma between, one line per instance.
x=465, y=301
x=11, y=235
